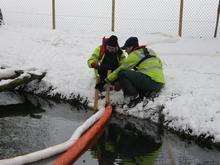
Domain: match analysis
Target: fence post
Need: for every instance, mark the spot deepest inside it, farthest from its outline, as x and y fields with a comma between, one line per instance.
x=217, y=20
x=53, y=15
x=1, y=17
x=113, y=15
x=181, y=18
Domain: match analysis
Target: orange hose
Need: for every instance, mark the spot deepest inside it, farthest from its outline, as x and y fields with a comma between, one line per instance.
x=80, y=146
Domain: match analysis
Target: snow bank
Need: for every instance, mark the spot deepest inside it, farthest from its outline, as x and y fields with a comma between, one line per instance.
x=191, y=95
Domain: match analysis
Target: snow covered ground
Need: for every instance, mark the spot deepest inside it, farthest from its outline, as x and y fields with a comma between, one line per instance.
x=192, y=68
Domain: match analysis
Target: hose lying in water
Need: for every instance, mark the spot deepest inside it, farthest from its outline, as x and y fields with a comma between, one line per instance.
x=83, y=143
x=48, y=152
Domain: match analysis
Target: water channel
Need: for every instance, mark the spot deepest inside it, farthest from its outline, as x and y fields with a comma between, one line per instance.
x=29, y=123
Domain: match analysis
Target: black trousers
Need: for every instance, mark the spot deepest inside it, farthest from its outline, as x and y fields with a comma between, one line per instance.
x=134, y=83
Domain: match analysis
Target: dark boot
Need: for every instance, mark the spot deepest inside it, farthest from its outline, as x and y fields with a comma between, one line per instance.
x=134, y=101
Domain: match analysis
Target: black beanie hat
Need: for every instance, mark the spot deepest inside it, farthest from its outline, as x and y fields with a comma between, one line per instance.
x=132, y=41
x=112, y=41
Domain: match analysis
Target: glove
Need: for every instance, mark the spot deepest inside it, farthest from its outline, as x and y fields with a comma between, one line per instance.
x=94, y=65
x=100, y=86
x=105, y=67
x=107, y=81
x=117, y=86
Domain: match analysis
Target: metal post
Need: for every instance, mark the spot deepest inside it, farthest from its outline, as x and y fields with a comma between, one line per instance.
x=113, y=15
x=107, y=97
x=1, y=17
x=96, y=101
x=217, y=20
x=181, y=18
x=53, y=15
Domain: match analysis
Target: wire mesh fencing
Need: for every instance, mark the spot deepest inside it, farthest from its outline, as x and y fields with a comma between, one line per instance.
x=27, y=13
x=149, y=16
x=198, y=19
x=199, y=16
x=84, y=15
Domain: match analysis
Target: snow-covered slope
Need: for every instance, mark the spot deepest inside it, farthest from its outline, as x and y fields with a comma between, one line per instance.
x=192, y=68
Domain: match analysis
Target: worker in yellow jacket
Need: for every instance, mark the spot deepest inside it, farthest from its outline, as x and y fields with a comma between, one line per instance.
x=140, y=74
x=107, y=56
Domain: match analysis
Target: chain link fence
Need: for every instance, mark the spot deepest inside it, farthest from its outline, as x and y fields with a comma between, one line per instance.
x=149, y=16
x=199, y=16
x=84, y=15
x=27, y=13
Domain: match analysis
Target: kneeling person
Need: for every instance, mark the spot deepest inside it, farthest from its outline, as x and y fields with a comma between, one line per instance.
x=107, y=56
x=140, y=74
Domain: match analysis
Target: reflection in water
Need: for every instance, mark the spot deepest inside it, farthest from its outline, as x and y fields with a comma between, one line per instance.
x=24, y=109
x=7, y=98
x=138, y=142
x=20, y=131
x=35, y=124
x=124, y=144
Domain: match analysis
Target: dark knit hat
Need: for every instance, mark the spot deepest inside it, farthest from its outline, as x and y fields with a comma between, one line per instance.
x=112, y=41
x=132, y=41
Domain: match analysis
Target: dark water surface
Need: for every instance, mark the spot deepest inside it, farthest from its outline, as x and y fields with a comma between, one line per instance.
x=34, y=124
x=29, y=124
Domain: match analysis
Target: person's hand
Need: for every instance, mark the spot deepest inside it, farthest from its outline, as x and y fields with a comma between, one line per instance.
x=94, y=65
x=117, y=87
x=107, y=85
x=105, y=67
x=107, y=81
x=100, y=86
